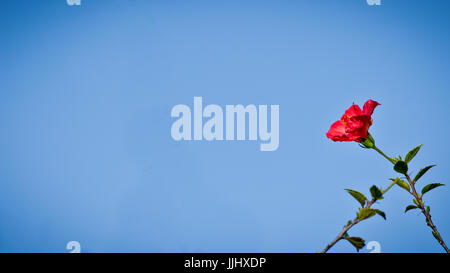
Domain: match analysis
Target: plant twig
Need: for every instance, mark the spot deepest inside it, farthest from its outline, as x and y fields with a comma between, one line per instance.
x=343, y=233
x=346, y=228
x=426, y=213
x=421, y=206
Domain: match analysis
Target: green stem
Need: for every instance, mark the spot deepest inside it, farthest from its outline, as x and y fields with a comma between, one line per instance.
x=390, y=186
x=381, y=153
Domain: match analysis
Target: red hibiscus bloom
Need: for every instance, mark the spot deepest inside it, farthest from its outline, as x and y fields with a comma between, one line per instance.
x=354, y=124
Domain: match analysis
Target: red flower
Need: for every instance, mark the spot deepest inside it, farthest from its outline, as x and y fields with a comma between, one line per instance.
x=354, y=124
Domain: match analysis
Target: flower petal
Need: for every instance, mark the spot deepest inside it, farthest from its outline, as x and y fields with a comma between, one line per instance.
x=354, y=110
x=337, y=132
x=358, y=126
x=369, y=106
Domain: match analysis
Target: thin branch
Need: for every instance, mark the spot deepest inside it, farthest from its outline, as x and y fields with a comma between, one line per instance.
x=427, y=214
x=346, y=228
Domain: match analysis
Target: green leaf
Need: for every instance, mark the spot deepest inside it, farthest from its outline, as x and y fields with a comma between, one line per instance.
x=422, y=172
x=401, y=167
x=365, y=213
x=412, y=154
x=416, y=203
x=409, y=207
x=402, y=184
x=357, y=242
x=431, y=186
x=428, y=209
x=358, y=196
x=376, y=192
x=381, y=213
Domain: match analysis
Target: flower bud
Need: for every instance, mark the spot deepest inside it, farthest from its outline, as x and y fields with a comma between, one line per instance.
x=401, y=167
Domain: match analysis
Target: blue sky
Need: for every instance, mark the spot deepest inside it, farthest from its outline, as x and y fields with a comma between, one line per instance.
x=85, y=99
